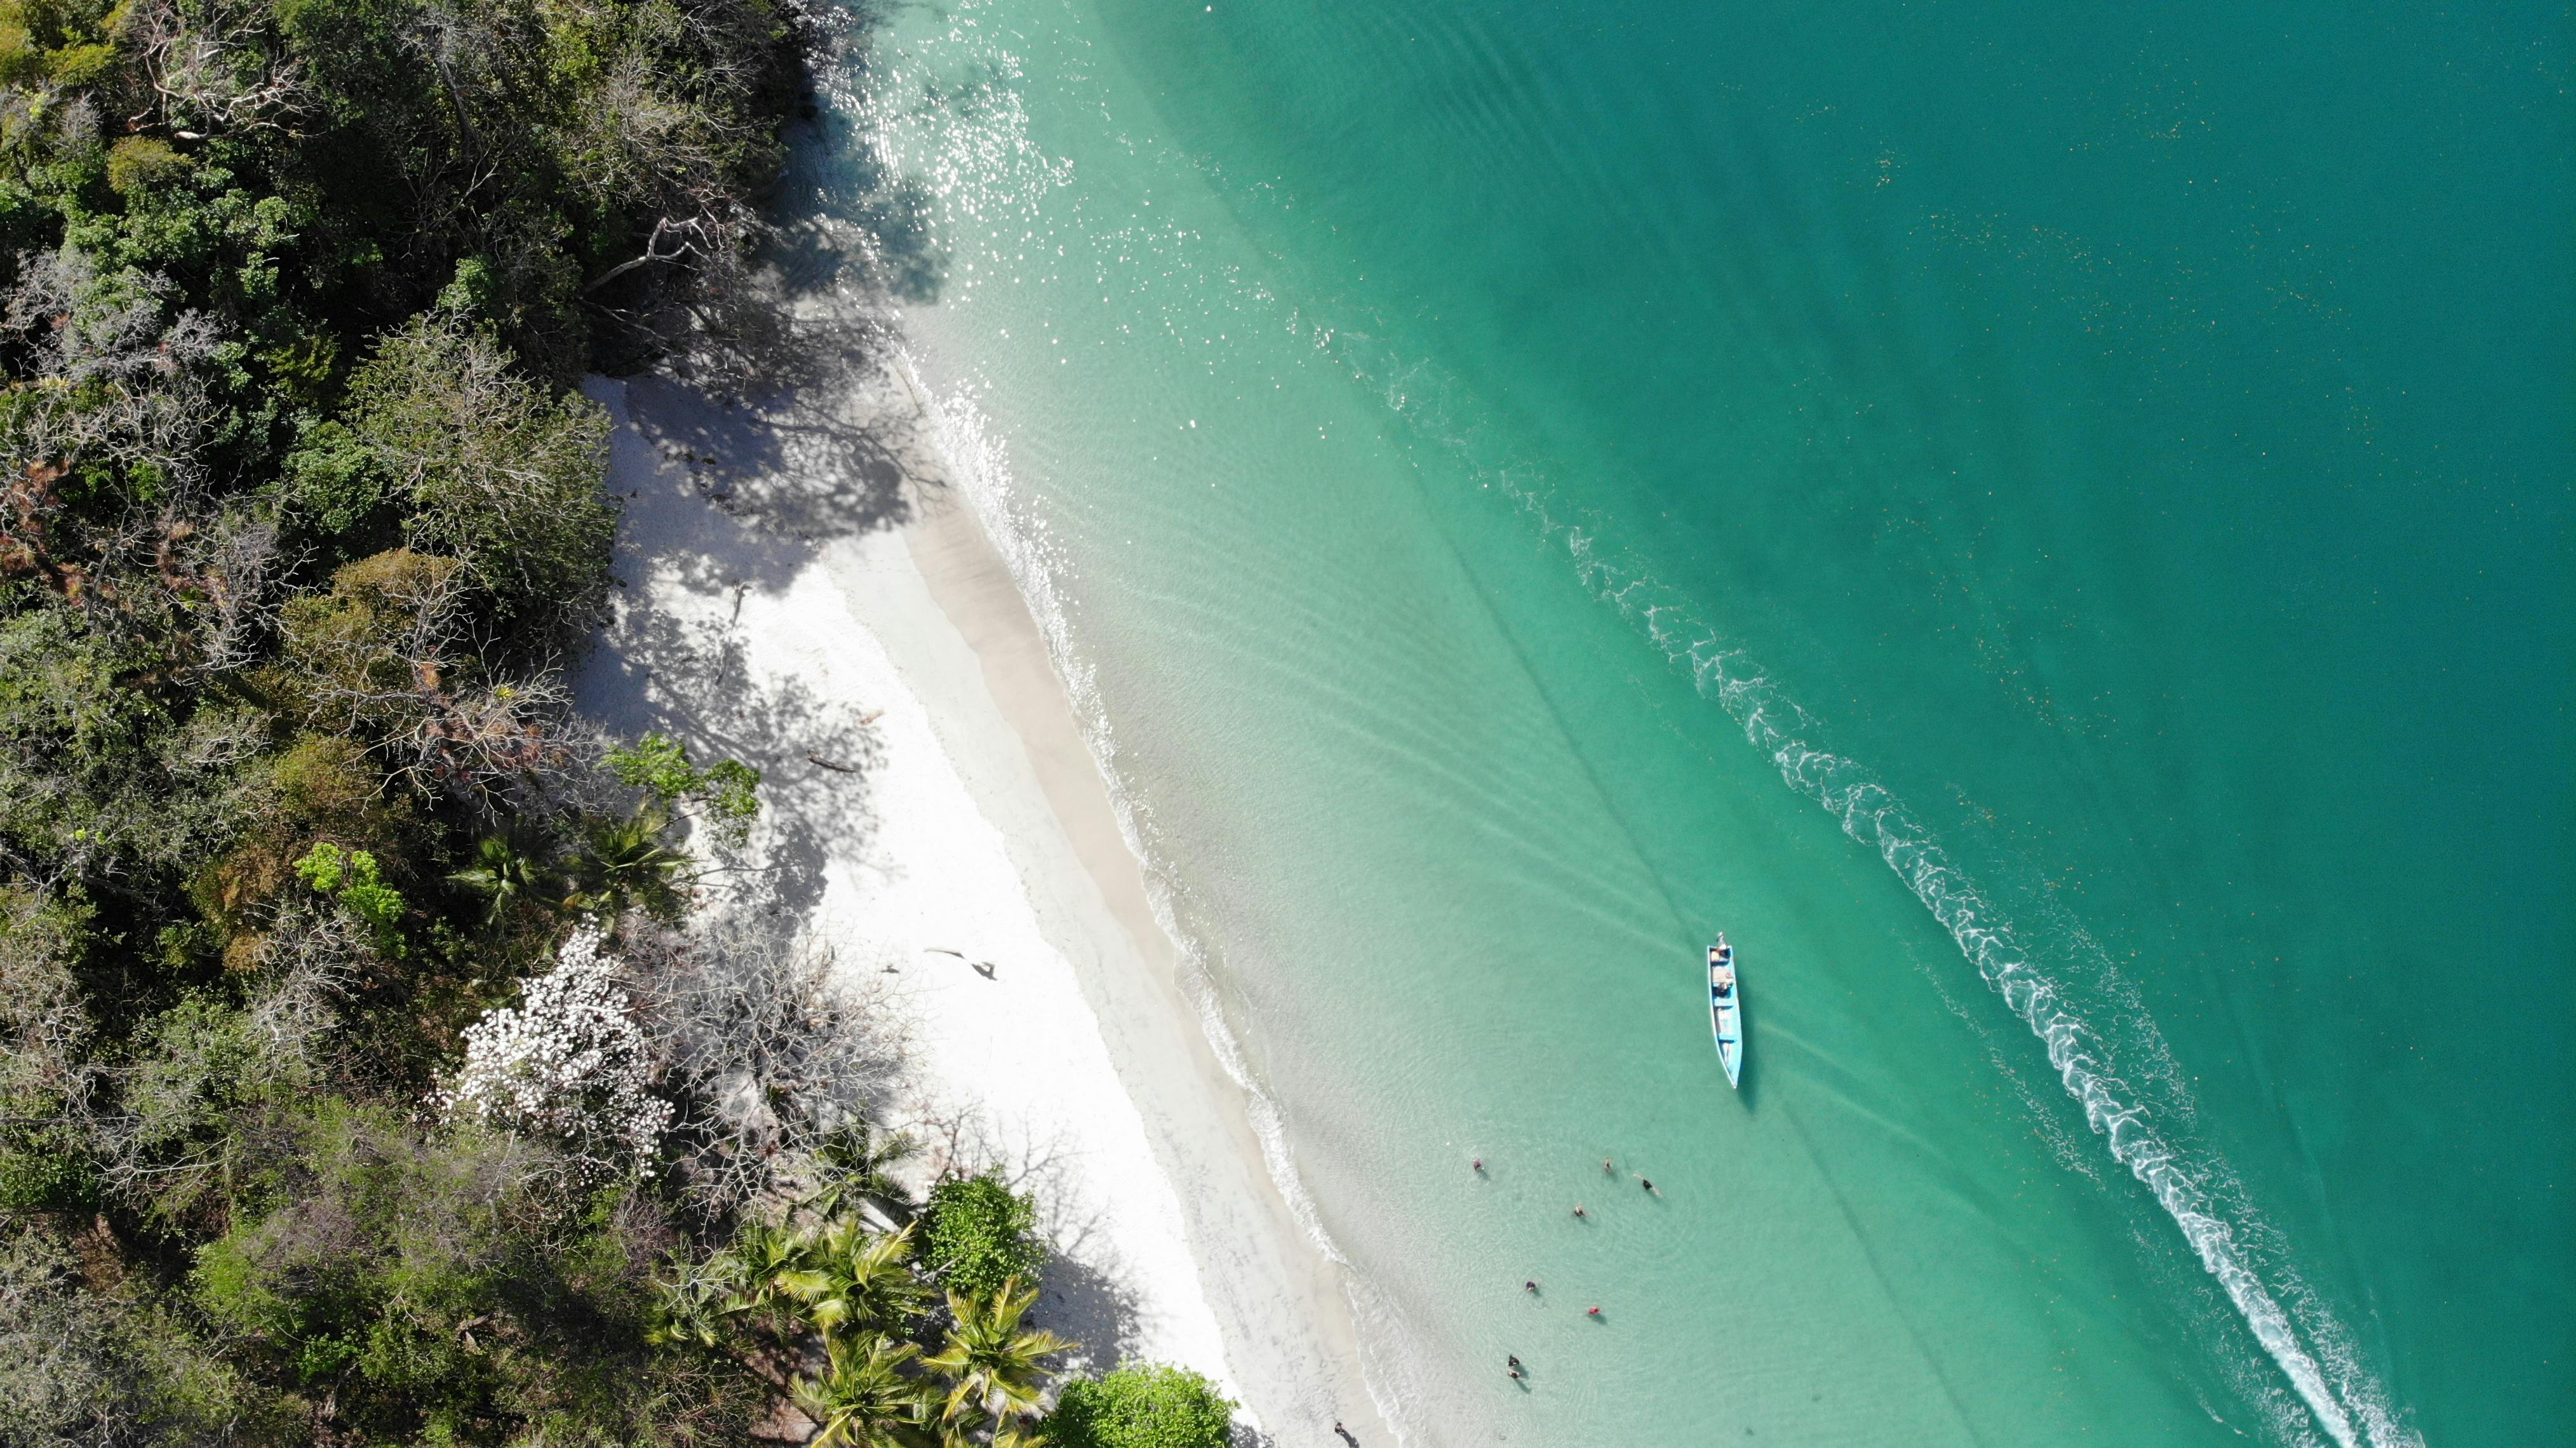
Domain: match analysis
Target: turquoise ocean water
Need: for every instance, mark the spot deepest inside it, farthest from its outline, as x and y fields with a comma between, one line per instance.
x=2047, y=524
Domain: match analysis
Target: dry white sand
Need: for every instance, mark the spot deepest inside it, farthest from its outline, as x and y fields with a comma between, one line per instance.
x=802, y=594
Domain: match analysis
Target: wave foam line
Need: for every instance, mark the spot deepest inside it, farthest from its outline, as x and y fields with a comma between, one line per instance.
x=1875, y=817
x=2340, y=1394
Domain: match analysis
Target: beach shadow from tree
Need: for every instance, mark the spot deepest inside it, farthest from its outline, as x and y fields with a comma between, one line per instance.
x=1086, y=1304
x=684, y=677
x=844, y=456
x=731, y=501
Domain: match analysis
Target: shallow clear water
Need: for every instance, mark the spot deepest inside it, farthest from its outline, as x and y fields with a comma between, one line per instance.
x=2050, y=529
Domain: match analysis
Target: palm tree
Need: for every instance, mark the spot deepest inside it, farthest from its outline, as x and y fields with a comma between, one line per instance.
x=851, y=1281
x=857, y=1162
x=992, y=1363
x=739, y=1302
x=627, y=860
x=506, y=872
x=698, y=1307
x=863, y=1399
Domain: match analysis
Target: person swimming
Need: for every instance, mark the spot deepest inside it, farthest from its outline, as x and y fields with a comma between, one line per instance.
x=1648, y=1185
x=1531, y=1286
x=1592, y=1312
x=1578, y=1210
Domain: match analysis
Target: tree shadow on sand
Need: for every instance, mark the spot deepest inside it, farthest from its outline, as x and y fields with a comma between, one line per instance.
x=848, y=456
x=738, y=500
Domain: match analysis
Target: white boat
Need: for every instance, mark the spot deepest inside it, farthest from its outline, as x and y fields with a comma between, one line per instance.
x=1725, y=1008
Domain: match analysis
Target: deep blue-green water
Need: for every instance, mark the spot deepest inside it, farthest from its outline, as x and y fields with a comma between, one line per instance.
x=2047, y=525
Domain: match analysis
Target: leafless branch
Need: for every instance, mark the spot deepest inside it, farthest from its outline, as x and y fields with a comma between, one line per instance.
x=214, y=72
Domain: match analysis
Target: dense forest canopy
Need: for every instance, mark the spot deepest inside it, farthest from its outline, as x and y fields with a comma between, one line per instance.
x=369, y=1076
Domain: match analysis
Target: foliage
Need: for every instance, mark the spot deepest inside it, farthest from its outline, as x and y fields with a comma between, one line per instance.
x=353, y=878
x=725, y=791
x=1141, y=1405
x=509, y=873
x=779, y=1293
x=864, y=1399
x=415, y=1287
x=301, y=518
x=630, y=862
x=488, y=467
x=982, y=1236
x=83, y=1359
x=300, y=515
x=995, y=1366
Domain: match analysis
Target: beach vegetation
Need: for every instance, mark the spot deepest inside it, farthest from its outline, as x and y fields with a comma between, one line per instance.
x=995, y=1364
x=369, y=1070
x=1141, y=1405
x=981, y=1236
x=368, y=1073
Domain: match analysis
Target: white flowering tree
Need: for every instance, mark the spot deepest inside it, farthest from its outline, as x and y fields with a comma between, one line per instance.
x=568, y=1064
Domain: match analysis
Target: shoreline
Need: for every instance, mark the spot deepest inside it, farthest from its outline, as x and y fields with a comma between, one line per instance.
x=937, y=818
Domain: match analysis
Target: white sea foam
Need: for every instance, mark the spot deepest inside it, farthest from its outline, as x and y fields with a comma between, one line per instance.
x=2314, y=1351
x=975, y=154
x=2196, y=1190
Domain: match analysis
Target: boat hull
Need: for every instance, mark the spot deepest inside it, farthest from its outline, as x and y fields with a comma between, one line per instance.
x=1726, y=1009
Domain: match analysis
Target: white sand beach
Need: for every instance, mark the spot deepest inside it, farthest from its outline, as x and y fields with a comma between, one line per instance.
x=804, y=594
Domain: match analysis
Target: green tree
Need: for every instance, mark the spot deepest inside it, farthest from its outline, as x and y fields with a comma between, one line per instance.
x=995, y=1366
x=857, y=1163
x=864, y=1399
x=494, y=471
x=630, y=862
x=725, y=793
x=849, y=1280
x=353, y=878
x=1141, y=1405
x=508, y=872
x=981, y=1235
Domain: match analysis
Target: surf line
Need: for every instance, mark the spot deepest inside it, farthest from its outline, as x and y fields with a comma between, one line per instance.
x=1444, y=413
x=1874, y=816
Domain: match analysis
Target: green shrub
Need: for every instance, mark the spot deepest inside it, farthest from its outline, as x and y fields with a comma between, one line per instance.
x=106, y=1363
x=727, y=792
x=982, y=1234
x=495, y=471
x=332, y=476
x=137, y=163
x=353, y=878
x=1142, y=1405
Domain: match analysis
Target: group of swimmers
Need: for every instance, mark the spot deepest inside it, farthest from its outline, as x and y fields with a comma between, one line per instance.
x=1512, y=1365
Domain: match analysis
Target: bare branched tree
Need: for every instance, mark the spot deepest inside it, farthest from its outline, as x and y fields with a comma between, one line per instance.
x=397, y=663
x=212, y=68
x=770, y=1054
x=237, y=570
